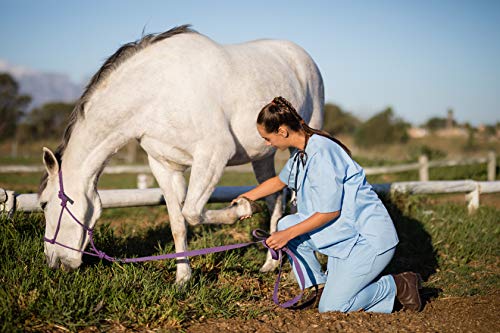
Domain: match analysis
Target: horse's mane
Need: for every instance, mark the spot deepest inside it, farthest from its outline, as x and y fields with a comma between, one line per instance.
x=119, y=57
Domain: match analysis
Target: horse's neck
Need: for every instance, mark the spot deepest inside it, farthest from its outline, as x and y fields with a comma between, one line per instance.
x=88, y=150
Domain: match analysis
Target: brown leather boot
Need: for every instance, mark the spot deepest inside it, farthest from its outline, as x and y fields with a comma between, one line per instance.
x=407, y=290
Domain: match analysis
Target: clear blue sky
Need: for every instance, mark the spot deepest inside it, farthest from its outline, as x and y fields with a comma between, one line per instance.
x=420, y=57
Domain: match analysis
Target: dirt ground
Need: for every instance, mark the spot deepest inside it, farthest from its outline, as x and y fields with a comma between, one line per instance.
x=454, y=314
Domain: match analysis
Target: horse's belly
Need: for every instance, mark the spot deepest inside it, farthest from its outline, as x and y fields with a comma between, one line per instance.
x=246, y=156
x=165, y=153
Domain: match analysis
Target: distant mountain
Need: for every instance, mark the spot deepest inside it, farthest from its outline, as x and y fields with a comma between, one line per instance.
x=43, y=87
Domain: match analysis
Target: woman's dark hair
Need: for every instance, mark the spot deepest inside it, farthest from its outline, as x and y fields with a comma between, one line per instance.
x=281, y=112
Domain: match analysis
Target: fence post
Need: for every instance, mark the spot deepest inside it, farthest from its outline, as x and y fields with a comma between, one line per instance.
x=7, y=202
x=13, y=149
x=131, y=155
x=473, y=199
x=492, y=166
x=144, y=181
x=3, y=199
x=423, y=170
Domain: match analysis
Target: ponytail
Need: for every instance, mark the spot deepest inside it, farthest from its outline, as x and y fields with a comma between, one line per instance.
x=281, y=112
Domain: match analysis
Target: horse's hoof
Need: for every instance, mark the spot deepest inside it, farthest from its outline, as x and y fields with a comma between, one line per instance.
x=269, y=266
x=247, y=207
x=181, y=280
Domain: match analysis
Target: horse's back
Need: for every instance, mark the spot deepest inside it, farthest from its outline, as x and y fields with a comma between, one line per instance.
x=188, y=81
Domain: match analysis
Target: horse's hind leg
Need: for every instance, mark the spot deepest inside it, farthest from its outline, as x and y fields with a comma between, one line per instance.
x=264, y=169
x=173, y=185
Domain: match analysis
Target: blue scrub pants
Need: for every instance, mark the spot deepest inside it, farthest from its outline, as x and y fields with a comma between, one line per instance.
x=349, y=283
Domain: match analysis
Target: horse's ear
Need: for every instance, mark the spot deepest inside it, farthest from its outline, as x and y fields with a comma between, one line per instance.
x=50, y=162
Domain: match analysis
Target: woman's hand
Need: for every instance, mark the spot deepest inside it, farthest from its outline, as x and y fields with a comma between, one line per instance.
x=235, y=200
x=278, y=239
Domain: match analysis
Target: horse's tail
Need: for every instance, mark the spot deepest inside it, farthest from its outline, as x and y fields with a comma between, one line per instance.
x=317, y=94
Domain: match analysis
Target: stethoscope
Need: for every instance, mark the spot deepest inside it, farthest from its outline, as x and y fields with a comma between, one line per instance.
x=299, y=158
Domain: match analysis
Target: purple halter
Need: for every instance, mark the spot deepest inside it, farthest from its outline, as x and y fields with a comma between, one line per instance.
x=259, y=234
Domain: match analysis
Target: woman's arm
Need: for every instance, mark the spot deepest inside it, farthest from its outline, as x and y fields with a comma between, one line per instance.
x=270, y=186
x=279, y=239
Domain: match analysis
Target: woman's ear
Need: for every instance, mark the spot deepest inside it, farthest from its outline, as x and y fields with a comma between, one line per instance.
x=283, y=131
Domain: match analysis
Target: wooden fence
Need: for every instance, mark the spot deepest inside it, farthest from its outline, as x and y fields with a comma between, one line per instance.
x=424, y=164
x=11, y=201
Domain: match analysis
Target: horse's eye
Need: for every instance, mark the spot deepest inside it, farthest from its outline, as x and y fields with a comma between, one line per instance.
x=43, y=204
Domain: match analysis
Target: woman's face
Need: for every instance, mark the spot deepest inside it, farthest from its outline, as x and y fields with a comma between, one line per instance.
x=278, y=139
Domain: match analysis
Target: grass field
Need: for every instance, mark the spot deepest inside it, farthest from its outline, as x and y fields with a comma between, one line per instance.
x=457, y=254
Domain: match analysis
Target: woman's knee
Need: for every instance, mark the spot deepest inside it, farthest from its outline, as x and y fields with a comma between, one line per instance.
x=287, y=221
x=327, y=305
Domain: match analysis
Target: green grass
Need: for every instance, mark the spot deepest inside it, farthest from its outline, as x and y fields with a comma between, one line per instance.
x=33, y=297
x=456, y=253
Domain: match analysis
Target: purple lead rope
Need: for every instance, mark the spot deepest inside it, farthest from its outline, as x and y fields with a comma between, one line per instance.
x=261, y=235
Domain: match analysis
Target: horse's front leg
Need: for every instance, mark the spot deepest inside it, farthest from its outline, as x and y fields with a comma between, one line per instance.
x=173, y=186
x=208, y=166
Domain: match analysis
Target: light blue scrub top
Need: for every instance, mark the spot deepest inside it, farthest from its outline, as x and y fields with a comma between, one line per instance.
x=332, y=181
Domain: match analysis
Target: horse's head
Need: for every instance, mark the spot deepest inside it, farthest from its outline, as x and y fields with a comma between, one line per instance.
x=81, y=200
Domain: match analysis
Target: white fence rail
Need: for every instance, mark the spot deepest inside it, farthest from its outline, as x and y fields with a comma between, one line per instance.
x=11, y=201
x=424, y=165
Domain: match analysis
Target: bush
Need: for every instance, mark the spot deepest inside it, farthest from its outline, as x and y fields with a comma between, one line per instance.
x=337, y=121
x=12, y=105
x=49, y=120
x=383, y=128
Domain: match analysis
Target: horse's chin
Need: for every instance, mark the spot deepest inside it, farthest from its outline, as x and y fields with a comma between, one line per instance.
x=69, y=265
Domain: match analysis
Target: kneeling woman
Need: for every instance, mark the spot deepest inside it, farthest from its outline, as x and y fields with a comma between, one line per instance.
x=338, y=214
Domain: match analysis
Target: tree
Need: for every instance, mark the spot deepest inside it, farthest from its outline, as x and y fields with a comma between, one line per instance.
x=435, y=123
x=337, y=121
x=382, y=128
x=12, y=105
x=49, y=120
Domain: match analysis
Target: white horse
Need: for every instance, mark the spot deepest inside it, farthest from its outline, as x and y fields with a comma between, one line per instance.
x=189, y=101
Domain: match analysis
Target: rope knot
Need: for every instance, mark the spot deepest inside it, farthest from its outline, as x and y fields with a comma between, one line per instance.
x=101, y=254
x=63, y=198
x=51, y=241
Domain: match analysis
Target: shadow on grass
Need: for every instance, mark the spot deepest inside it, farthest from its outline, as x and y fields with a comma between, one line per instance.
x=145, y=244
x=415, y=251
x=159, y=240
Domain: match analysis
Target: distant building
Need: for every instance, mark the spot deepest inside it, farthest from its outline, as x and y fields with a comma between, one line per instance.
x=450, y=122
x=417, y=132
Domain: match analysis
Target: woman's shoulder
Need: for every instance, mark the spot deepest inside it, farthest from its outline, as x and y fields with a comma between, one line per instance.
x=324, y=149
x=324, y=146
